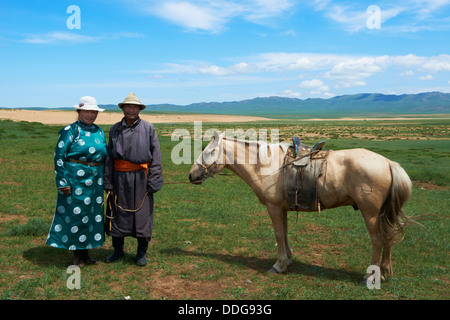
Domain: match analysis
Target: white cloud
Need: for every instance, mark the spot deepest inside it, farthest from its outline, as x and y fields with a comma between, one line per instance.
x=314, y=84
x=315, y=87
x=353, y=18
x=328, y=95
x=438, y=63
x=75, y=38
x=318, y=72
x=407, y=61
x=191, y=16
x=121, y=35
x=408, y=73
x=213, y=15
x=427, y=77
x=174, y=68
x=240, y=67
x=156, y=76
x=353, y=71
x=259, y=10
x=289, y=33
x=332, y=66
x=402, y=16
x=426, y=8
x=280, y=61
x=53, y=37
x=319, y=5
x=291, y=94
x=214, y=71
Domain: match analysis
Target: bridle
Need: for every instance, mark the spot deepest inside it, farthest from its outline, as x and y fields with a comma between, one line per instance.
x=207, y=173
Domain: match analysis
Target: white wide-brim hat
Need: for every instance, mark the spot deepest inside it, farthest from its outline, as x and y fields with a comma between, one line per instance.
x=132, y=99
x=88, y=103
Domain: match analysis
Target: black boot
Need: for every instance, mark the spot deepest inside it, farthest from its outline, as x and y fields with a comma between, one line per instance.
x=141, y=251
x=118, y=253
x=87, y=258
x=78, y=259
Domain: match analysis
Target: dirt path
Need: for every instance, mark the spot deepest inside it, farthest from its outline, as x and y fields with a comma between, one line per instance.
x=62, y=117
x=65, y=117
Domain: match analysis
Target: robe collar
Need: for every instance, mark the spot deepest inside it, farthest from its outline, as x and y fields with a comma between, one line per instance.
x=124, y=123
x=85, y=126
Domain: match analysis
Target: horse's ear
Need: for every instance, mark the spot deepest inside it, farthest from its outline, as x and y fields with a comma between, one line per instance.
x=216, y=136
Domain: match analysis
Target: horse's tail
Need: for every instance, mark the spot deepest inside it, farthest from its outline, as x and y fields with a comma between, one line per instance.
x=392, y=218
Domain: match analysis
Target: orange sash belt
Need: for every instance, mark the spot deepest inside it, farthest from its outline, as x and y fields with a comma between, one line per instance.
x=124, y=166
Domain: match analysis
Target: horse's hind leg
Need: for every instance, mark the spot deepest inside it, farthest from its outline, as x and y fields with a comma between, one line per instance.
x=386, y=266
x=381, y=247
x=371, y=219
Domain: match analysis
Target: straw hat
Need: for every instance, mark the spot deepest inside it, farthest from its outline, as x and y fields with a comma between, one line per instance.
x=88, y=103
x=132, y=99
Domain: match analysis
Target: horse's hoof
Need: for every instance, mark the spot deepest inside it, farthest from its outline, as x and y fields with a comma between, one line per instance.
x=273, y=270
x=363, y=281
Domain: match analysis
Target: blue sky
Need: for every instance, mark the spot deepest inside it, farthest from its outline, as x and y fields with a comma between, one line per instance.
x=186, y=51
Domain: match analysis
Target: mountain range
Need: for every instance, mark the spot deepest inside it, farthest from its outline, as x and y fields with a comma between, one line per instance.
x=362, y=104
x=345, y=105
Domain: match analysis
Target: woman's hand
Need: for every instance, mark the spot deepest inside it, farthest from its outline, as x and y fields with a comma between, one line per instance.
x=66, y=190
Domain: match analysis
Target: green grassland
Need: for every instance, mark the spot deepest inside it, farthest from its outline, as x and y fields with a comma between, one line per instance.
x=215, y=241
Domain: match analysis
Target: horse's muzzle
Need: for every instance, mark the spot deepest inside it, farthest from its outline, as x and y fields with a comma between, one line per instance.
x=195, y=180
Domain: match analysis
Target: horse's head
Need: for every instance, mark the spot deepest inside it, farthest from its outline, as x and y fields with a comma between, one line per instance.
x=209, y=162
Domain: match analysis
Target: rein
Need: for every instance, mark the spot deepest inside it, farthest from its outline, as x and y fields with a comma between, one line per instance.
x=209, y=175
x=286, y=163
x=117, y=206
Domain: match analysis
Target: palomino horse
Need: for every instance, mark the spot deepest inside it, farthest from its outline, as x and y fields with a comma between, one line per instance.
x=361, y=178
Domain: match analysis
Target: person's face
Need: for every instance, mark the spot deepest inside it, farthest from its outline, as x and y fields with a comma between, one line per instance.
x=88, y=116
x=131, y=112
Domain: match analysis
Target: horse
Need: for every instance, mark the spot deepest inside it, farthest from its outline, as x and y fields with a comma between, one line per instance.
x=375, y=185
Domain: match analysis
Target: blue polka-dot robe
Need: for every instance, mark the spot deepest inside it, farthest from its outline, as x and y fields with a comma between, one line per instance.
x=78, y=219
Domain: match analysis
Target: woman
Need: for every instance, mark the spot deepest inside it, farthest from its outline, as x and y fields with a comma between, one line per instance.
x=79, y=161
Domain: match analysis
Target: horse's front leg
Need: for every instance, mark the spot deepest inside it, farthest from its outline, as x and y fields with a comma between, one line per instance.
x=286, y=242
x=277, y=215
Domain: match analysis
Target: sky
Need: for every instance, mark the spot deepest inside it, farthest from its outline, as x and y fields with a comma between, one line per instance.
x=188, y=51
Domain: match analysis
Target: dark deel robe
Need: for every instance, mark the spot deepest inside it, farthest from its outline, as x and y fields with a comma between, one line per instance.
x=138, y=144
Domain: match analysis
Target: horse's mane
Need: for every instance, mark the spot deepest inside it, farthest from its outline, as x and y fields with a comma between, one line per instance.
x=265, y=154
x=261, y=144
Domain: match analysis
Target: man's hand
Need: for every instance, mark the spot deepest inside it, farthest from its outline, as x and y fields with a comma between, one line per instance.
x=66, y=190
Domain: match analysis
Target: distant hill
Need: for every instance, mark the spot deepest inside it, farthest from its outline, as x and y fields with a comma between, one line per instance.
x=363, y=104
x=346, y=105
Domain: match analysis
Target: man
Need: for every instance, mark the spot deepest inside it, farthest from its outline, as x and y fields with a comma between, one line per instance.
x=133, y=173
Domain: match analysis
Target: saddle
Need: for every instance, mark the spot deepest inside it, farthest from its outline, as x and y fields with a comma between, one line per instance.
x=303, y=165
